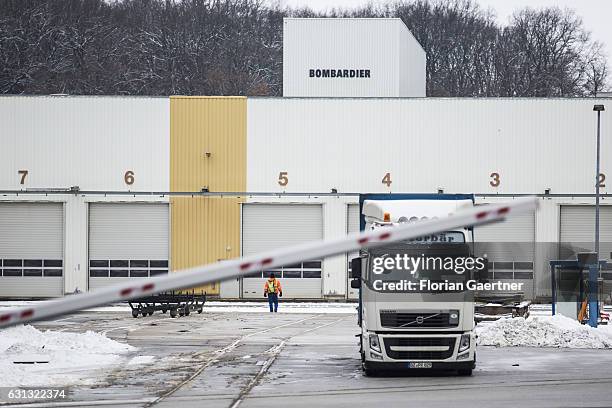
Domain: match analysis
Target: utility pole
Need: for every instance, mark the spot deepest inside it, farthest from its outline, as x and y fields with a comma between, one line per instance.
x=594, y=269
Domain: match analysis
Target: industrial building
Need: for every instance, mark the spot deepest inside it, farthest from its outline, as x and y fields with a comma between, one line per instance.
x=96, y=190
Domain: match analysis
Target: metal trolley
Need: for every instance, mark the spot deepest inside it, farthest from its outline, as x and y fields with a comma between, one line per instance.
x=177, y=303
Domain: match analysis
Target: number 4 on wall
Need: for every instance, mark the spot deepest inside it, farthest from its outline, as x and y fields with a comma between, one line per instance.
x=387, y=180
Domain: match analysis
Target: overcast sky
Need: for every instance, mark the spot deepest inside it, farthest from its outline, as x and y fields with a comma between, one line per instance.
x=596, y=14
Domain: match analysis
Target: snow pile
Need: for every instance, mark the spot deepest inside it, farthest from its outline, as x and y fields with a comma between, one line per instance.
x=71, y=356
x=141, y=360
x=543, y=331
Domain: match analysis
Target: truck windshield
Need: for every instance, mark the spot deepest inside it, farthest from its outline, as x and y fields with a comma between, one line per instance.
x=419, y=268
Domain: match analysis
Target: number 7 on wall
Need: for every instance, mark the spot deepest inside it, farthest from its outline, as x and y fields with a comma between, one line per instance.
x=23, y=174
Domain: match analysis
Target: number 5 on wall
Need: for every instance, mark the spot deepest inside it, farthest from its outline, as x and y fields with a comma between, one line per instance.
x=283, y=178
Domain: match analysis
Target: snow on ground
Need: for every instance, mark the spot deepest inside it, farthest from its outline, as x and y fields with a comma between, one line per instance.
x=543, y=331
x=73, y=358
x=241, y=307
x=141, y=360
x=256, y=307
x=283, y=307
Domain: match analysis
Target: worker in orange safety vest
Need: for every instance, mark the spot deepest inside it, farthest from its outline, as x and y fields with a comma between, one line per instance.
x=272, y=290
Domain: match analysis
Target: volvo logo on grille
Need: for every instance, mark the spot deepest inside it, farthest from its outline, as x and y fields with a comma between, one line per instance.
x=420, y=319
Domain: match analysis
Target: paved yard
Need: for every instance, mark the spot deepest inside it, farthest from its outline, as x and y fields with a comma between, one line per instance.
x=235, y=359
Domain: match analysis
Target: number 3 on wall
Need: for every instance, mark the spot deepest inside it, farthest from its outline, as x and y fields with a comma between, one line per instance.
x=495, y=180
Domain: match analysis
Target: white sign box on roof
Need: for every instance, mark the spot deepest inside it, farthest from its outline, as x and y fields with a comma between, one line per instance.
x=351, y=57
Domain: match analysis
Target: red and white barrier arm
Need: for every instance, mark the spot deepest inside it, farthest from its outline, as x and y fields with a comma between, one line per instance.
x=243, y=266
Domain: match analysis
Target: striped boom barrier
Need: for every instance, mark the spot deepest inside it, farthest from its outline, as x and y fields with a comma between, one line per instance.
x=243, y=266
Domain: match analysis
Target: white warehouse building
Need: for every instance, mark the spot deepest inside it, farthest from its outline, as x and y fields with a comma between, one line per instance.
x=351, y=57
x=96, y=190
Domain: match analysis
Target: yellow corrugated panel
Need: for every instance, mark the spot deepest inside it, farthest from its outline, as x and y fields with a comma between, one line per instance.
x=207, y=149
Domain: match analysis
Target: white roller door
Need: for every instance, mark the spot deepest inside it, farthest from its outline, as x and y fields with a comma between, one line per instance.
x=510, y=247
x=31, y=249
x=352, y=226
x=577, y=232
x=127, y=241
x=271, y=226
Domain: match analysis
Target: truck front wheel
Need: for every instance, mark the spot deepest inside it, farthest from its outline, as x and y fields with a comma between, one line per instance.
x=367, y=370
x=468, y=371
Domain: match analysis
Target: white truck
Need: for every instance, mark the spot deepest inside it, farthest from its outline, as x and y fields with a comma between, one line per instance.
x=406, y=324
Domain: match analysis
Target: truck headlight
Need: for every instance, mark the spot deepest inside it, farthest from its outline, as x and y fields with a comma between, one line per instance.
x=464, y=343
x=374, y=342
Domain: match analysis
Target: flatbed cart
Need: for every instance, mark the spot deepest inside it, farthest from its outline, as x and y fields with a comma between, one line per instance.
x=495, y=311
x=177, y=303
x=500, y=305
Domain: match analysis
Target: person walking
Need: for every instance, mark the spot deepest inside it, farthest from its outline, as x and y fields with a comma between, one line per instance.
x=272, y=290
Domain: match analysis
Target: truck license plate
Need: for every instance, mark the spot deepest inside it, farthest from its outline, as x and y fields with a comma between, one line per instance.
x=419, y=365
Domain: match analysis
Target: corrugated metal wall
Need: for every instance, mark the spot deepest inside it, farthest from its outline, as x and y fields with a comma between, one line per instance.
x=90, y=142
x=206, y=230
x=412, y=63
x=455, y=144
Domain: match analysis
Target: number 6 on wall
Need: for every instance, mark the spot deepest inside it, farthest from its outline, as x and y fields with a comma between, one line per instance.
x=128, y=177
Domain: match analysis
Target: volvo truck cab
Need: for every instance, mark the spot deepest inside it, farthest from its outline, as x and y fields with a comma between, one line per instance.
x=415, y=311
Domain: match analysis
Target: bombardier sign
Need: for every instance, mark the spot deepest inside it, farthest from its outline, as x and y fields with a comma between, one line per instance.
x=339, y=73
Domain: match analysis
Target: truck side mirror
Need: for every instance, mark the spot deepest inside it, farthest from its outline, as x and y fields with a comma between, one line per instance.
x=356, y=273
x=356, y=268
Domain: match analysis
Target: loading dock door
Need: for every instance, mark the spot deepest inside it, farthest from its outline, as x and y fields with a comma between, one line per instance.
x=510, y=247
x=31, y=250
x=127, y=241
x=578, y=229
x=272, y=226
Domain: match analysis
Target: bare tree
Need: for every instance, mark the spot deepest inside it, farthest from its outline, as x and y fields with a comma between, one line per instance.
x=234, y=47
x=548, y=53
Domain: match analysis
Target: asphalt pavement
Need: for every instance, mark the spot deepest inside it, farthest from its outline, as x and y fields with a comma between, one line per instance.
x=251, y=360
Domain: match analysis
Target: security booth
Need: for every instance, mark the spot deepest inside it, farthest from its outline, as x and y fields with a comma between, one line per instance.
x=576, y=284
